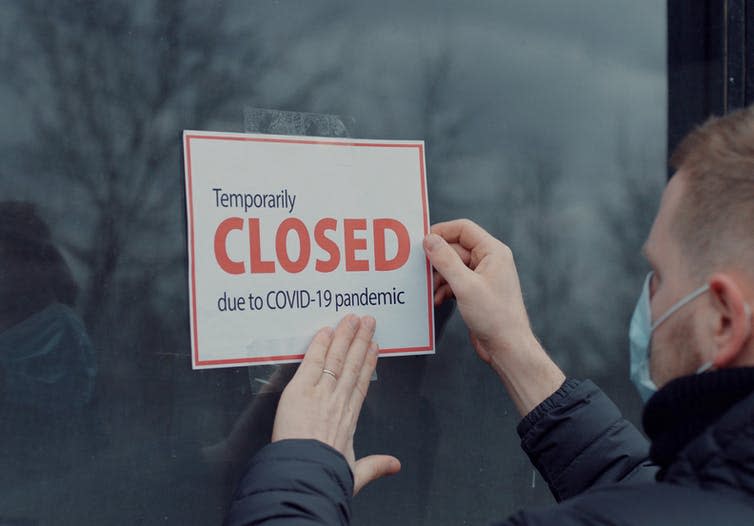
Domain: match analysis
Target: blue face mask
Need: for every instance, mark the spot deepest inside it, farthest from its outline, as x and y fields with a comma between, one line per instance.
x=48, y=361
x=640, y=337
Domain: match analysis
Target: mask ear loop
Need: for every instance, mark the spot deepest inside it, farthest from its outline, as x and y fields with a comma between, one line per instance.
x=704, y=368
x=681, y=303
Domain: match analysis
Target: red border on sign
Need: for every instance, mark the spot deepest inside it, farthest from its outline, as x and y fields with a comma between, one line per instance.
x=192, y=270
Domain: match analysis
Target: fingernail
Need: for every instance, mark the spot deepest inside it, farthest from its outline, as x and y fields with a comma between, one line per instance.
x=327, y=331
x=367, y=322
x=353, y=321
x=431, y=242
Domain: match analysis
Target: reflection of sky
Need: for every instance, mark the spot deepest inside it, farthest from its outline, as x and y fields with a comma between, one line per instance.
x=566, y=81
x=557, y=74
x=541, y=68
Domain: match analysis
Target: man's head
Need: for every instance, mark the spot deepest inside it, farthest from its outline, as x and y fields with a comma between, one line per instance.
x=704, y=234
x=33, y=273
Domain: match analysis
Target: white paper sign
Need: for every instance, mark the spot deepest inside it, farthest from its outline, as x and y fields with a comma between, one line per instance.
x=289, y=234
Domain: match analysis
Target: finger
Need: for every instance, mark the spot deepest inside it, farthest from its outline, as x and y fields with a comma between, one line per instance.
x=468, y=234
x=365, y=377
x=443, y=293
x=437, y=281
x=336, y=353
x=446, y=261
x=355, y=357
x=462, y=252
x=373, y=467
x=311, y=366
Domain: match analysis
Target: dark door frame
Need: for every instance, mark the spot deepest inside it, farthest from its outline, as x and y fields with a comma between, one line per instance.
x=710, y=61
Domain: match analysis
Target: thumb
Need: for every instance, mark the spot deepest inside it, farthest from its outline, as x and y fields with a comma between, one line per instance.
x=446, y=261
x=373, y=467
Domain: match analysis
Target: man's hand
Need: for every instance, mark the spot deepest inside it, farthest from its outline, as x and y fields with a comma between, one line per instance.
x=480, y=272
x=324, y=398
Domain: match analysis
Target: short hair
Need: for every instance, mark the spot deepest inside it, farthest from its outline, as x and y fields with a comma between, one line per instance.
x=715, y=221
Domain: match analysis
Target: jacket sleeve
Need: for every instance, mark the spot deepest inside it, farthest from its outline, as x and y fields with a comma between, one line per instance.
x=577, y=439
x=294, y=482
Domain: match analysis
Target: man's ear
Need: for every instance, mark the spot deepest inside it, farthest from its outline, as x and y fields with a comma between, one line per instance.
x=732, y=320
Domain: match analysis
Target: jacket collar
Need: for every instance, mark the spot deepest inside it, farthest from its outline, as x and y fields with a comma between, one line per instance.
x=702, y=427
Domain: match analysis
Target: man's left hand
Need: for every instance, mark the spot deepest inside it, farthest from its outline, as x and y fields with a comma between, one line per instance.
x=324, y=398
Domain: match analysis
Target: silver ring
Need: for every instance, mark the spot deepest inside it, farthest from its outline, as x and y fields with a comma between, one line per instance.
x=331, y=373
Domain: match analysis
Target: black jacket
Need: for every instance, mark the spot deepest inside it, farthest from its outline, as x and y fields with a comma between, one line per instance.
x=294, y=482
x=595, y=462
x=701, y=467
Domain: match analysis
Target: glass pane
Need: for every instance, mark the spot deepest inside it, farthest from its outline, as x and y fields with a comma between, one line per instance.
x=544, y=122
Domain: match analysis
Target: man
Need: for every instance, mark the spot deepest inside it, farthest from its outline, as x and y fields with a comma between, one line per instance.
x=694, y=315
x=47, y=361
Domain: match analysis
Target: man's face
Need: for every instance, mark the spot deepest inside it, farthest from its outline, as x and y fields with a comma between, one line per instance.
x=675, y=347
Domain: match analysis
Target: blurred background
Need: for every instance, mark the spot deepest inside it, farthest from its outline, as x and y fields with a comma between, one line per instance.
x=545, y=122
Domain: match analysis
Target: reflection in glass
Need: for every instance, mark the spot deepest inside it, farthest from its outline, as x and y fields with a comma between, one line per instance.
x=544, y=122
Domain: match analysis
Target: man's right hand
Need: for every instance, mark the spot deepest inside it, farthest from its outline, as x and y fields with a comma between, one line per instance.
x=480, y=272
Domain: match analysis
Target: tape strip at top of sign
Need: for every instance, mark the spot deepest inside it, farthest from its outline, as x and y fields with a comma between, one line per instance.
x=288, y=234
